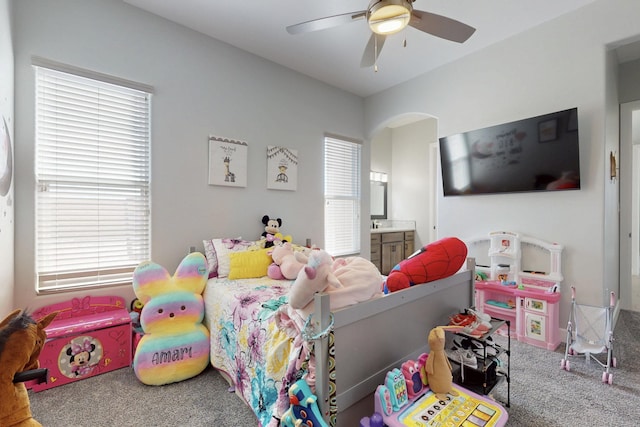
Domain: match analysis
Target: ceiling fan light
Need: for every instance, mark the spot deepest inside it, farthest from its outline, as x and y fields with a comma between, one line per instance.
x=389, y=17
x=389, y=26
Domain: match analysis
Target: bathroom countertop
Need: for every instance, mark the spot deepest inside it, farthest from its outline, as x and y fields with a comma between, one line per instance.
x=389, y=229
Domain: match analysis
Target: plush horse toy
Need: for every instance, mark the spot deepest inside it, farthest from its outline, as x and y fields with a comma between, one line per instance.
x=21, y=340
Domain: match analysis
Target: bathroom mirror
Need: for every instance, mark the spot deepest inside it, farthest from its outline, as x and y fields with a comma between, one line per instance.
x=378, y=200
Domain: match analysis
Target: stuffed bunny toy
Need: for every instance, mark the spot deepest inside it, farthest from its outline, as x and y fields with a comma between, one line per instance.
x=437, y=366
x=175, y=344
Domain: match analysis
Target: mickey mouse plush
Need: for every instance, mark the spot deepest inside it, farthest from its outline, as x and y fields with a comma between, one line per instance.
x=271, y=228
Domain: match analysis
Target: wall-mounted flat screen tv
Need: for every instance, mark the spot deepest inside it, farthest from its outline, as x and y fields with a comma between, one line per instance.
x=535, y=154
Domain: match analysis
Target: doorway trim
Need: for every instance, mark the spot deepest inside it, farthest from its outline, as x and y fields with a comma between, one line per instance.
x=629, y=205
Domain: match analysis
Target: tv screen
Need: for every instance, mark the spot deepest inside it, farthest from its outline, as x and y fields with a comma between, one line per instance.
x=535, y=154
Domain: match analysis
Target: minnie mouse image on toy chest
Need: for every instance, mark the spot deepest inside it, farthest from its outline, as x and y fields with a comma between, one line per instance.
x=80, y=356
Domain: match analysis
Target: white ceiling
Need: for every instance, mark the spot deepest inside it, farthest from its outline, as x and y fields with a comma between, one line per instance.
x=333, y=55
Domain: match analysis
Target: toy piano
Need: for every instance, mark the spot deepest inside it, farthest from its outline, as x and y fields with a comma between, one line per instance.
x=405, y=400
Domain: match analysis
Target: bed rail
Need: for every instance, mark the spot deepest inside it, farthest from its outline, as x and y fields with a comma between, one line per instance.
x=379, y=335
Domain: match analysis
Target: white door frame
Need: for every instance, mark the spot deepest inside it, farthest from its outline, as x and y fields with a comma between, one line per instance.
x=629, y=212
x=433, y=192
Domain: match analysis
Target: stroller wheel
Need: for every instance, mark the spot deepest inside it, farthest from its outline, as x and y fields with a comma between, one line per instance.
x=567, y=366
x=562, y=363
x=604, y=377
x=610, y=379
x=614, y=362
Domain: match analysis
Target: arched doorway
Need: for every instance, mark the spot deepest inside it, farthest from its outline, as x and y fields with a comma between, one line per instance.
x=405, y=147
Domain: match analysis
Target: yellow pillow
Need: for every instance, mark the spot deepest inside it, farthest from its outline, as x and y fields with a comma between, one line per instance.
x=249, y=264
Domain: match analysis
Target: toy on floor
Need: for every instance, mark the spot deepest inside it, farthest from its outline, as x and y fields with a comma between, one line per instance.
x=175, y=344
x=438, y=367
x=304, y=408
x=134, y=313
x=21, y=340
x=374, y=421
x=465, y=409
x=459, y=407
x=434, y=261
x=91, y=335
x=415, y=375
x=590, y=335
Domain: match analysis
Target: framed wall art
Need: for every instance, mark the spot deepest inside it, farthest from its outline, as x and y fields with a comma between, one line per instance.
x=227, y=162
x=548, y=130
x=282, y=168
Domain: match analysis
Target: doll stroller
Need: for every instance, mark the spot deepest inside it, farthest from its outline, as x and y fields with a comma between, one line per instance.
x=590, y=333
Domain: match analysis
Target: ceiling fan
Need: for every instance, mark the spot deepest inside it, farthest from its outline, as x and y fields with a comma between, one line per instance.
x=386, y=17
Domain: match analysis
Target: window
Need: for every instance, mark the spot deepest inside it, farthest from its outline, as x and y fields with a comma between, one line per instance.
x=92, y=180
x=341, y=196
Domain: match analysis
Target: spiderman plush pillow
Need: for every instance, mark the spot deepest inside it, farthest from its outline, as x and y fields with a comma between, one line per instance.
x=436, y=260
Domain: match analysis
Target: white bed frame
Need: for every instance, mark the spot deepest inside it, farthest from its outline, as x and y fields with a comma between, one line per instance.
x=376, y=336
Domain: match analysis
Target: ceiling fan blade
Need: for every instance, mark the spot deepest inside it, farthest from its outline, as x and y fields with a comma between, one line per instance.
x=441, y=26
x=327, y=22
x=369, y=55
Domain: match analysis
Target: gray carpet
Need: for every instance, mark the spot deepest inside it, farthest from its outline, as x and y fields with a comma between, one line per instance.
x=541, y=394
x=544, y=395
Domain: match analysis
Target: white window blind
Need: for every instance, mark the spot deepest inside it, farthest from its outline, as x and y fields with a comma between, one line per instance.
x=342, y=196
x=92, y=181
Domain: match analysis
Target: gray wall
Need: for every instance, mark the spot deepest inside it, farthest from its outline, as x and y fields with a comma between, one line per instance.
x=413, y=176
x=6, y=201
x=202, y=86
x=629, y=81
x=560, y=64
x=405, y=152
x=207, y=87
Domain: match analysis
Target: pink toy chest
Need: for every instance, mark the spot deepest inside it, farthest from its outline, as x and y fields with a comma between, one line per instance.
x=89, y=336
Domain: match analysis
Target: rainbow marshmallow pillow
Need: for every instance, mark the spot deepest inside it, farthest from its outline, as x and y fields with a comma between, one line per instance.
x=175, y=344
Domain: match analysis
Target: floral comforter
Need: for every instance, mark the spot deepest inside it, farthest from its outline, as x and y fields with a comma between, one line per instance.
x=249, y=343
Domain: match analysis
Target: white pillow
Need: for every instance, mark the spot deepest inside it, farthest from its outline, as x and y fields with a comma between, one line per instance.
x=212, y=259
x=217, y=253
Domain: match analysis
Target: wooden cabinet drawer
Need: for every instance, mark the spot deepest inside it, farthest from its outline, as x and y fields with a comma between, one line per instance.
x=408, y=243
x=409, y=248
x=375, y=250
x=393, y=237
x=375, y=239
x=392, y=254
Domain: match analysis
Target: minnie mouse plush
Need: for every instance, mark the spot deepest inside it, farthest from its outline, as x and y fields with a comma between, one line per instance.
x=271, y=228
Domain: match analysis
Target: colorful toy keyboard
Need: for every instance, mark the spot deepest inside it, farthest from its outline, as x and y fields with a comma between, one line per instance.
x=403, y=400
x=462, y=410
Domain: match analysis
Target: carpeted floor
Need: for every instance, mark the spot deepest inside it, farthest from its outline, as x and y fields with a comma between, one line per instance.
x=118, y=399
x=542, y=395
